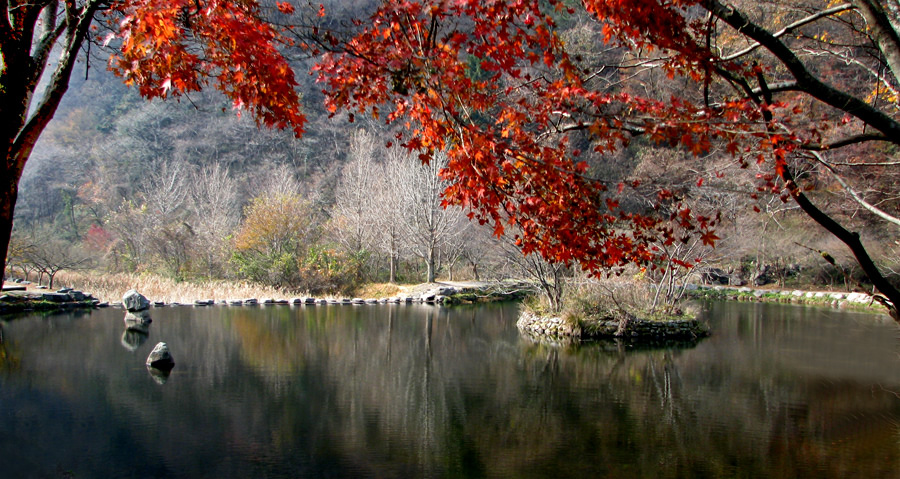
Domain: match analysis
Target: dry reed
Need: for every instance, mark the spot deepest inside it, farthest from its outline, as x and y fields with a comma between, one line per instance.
x=111, y=286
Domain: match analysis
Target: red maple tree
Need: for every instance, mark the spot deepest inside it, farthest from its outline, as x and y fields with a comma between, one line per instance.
x=493, y=84
x=166, y=48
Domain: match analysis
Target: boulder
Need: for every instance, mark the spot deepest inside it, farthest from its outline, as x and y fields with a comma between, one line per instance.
x=858, y=298
x=56, y=297
x=160, y=358
x=715, y=276
x=134, y=301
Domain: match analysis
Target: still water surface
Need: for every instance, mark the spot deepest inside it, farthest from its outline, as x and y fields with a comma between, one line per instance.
x=419, y=391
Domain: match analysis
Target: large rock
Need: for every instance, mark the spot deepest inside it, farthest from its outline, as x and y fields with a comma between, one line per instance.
x=160, y=358
x=134, y=301
x=56, y=297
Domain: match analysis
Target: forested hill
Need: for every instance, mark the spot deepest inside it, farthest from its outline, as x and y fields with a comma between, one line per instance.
x=105, y=140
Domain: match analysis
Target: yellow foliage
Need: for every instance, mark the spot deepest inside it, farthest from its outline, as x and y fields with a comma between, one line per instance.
x=275, y=224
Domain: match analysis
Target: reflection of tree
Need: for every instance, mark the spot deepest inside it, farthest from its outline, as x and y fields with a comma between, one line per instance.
x=9, y=360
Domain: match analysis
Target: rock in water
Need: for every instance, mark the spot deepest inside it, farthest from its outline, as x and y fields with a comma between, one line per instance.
x=134, y=301
x=160, y=358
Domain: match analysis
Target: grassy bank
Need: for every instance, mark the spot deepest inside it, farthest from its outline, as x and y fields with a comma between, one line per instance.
x=110, y=287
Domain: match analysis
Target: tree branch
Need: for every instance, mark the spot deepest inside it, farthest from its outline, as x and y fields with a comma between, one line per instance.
x=865, y=204
x=799, y=23
x=76, y=31
x=850, y=140
x=882, y=32
x=806, y=82
x=51, y=33
x=780, y=87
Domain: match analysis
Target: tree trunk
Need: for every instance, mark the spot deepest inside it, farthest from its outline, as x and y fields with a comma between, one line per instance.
x=9, y=191
x=891, y=298
x=430, y=265
x=393, y=274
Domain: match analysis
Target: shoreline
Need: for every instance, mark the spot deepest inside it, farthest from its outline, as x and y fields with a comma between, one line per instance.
x=854, y=301
x=40, y=299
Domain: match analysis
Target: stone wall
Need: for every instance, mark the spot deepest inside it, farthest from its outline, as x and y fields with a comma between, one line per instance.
x=552, y=327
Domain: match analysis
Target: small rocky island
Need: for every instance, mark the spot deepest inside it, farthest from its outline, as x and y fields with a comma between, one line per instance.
x=634, y=330
x=19, y=300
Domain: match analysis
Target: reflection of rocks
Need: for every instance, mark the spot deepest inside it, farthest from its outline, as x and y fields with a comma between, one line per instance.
x=159, y=375
x=137, y=329
x=160, y=358
x=134, y=301
x=134, y=338
x=139, y=320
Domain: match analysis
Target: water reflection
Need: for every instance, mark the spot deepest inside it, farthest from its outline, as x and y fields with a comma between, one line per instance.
x=133, y=338
x=420, y=391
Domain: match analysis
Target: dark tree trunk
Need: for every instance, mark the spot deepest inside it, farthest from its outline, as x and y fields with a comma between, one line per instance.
x=9, y=190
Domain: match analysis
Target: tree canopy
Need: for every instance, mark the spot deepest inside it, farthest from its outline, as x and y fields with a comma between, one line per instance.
x=495, y=86
x=523, y=108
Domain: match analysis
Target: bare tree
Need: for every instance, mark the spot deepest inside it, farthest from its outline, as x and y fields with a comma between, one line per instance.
x=427, y=224
x=551, y=277
x=53, y=256
x=388, y=211
x=354, y=210
x=215, y=212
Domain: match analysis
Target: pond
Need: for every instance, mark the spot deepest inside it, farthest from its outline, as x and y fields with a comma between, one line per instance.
x=421, y=391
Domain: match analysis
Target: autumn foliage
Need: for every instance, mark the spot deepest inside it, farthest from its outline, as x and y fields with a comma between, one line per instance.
x=173, y=47
x=493, y=84
x=506, y=130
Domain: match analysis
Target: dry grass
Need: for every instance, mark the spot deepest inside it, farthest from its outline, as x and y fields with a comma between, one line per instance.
x=377, y=290
x=111, y=286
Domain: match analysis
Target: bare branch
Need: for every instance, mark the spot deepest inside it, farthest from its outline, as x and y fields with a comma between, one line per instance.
x=862, y=202
x=850, y=140
x=799, y=23
x=806, y=81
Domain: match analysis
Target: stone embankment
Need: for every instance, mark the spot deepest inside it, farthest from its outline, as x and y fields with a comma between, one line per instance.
x=440, y=294
x=835, y=299
x=16, y=300
x=556, y=329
